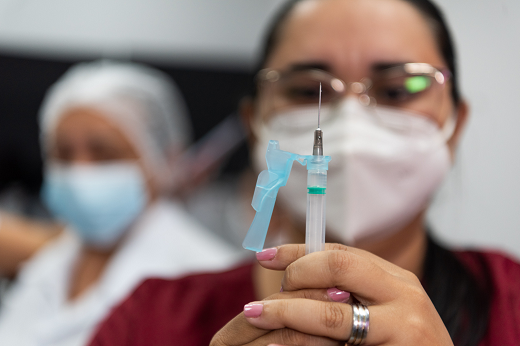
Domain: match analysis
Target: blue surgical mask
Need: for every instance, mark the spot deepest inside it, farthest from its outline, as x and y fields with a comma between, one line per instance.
x=99, y=201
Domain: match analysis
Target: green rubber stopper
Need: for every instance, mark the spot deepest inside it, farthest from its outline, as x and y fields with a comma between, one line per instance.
x=316, y=190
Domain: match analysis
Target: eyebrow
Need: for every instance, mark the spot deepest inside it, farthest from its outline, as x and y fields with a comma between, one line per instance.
x=386, y=65
x=318, y=65
x=309, y=66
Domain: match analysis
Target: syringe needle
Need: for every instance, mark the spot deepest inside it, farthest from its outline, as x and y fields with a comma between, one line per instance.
x=319, y=107
x=318, y=134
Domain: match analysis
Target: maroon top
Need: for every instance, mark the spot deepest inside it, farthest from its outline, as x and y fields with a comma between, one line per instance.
x=190, y=310
x=504, y=317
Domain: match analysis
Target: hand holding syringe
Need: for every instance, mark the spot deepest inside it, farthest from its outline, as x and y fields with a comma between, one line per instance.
x=279, y=164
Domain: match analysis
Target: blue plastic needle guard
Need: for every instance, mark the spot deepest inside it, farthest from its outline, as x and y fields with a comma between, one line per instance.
x=279, y=164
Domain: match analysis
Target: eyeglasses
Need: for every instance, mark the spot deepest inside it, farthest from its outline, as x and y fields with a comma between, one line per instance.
x=414, y=87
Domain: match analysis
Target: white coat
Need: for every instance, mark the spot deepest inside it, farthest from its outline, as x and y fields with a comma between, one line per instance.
x=164, y=242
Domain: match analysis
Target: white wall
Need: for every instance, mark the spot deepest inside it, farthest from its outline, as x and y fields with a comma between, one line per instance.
x=480, y=204
x=223, y=32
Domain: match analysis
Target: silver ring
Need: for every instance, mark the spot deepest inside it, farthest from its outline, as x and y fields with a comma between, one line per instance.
x=360, y=324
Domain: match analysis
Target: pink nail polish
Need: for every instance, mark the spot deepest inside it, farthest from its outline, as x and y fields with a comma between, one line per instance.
x=266, y=255
x=281, y=289
x=253, y=309
x=338, y=295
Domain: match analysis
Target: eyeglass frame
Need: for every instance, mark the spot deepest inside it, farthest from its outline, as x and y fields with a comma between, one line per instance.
x=362, y=87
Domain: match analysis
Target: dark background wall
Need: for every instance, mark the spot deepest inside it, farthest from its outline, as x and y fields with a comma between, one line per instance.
x=210, y=93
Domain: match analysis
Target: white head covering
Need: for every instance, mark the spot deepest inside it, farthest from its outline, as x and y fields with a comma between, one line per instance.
x=144, y=103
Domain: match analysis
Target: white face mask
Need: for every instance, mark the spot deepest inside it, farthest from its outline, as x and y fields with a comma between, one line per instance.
x=386, y=164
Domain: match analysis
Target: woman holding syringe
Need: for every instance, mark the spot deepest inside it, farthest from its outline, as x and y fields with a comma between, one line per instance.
x=392, y=119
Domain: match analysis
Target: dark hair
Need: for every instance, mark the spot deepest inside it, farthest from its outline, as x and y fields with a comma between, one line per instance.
x=429, y=11
x=462, y=303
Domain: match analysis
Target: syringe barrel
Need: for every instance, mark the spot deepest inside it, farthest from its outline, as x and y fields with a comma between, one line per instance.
x=316, y=203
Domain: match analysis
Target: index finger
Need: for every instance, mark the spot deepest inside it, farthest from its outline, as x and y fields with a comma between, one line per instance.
x=280, y=257
x=240, y=332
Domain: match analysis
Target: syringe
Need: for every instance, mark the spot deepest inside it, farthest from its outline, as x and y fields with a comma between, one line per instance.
x=279, y=164
x=316, y=193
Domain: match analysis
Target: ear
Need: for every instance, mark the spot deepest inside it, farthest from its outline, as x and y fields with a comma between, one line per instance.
x=462, y=112
x=246, y=109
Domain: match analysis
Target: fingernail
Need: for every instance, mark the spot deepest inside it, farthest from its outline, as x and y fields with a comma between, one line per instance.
x=266, y=255
x=281, y=289
x=253, y=309
x=338, y=295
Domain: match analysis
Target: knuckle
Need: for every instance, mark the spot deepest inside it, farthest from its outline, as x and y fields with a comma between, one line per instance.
x=306, y=294
x=417, y=325
x=292, y=273
x=281, y=309
x=292, y=337
x=411, y=277
x=417, y=294
x=288, y=276
x=337, y=247
x=300, y=251
x=292, y=252
x=333, y=316
x=339, y=263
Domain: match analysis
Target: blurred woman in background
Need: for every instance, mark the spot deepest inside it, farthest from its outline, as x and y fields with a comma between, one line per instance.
x=110, y=133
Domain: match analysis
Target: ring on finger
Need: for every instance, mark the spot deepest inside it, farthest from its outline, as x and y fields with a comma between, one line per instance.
x=360, y=324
